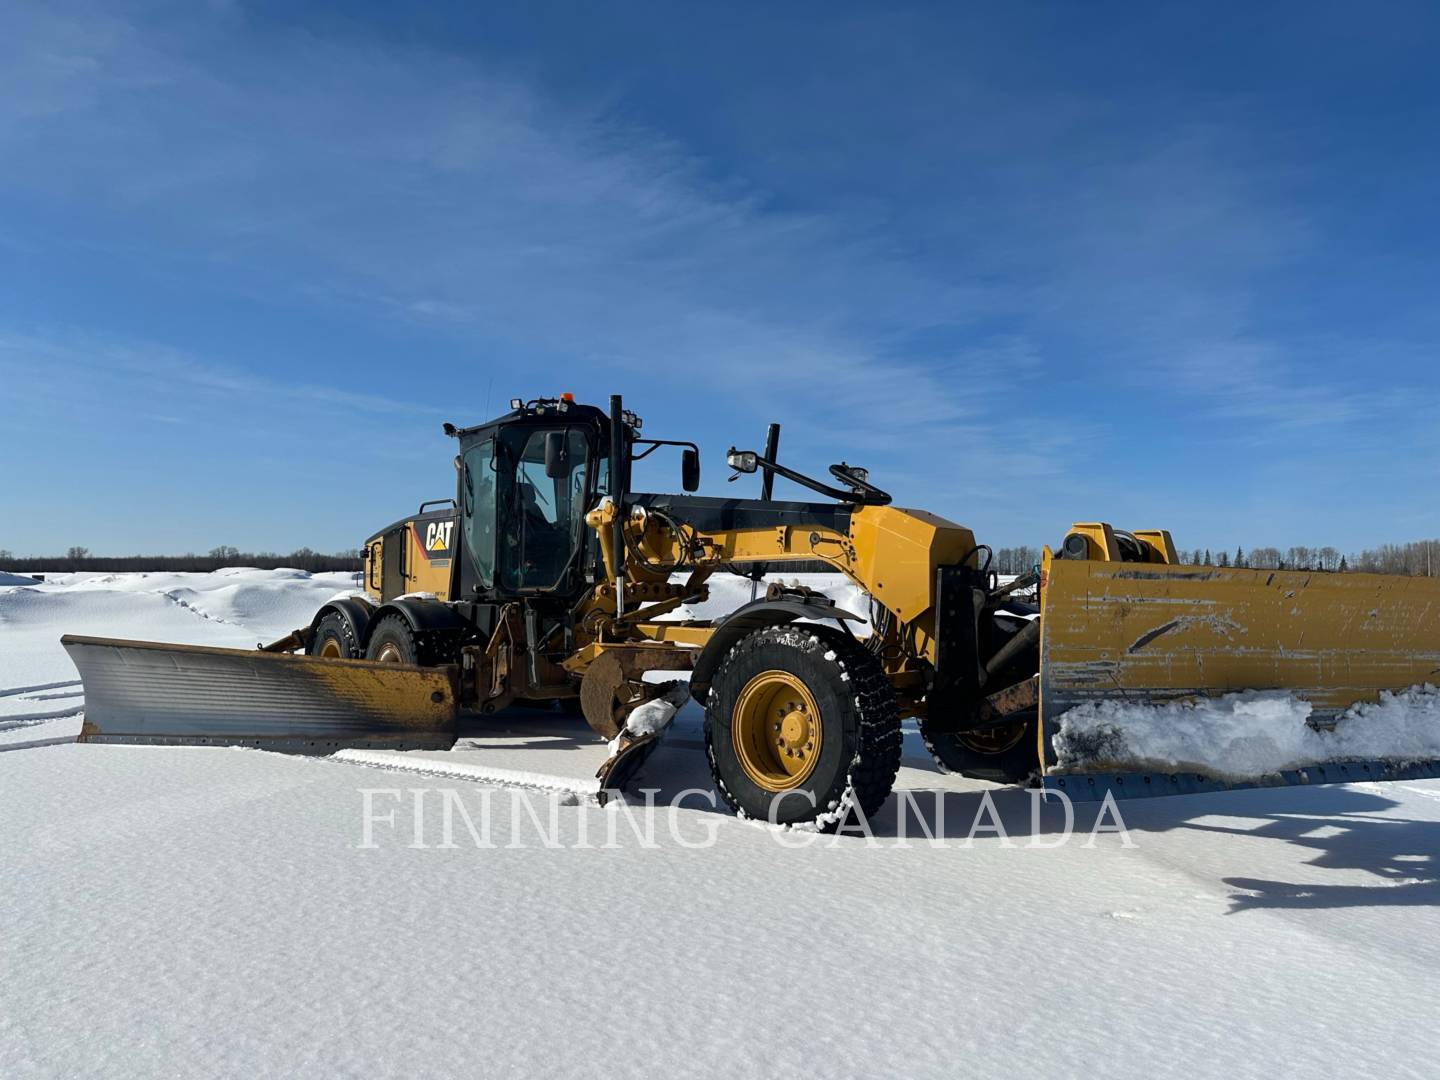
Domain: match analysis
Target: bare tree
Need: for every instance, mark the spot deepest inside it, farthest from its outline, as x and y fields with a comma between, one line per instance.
x=1265, y=558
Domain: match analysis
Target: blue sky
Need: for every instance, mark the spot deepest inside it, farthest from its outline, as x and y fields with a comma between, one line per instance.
x=1160, y=264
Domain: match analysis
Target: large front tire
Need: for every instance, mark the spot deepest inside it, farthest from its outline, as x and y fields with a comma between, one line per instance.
x=801, y=725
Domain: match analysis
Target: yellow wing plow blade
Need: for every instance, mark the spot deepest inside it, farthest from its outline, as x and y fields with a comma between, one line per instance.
x=178, y=695
x=1149, y=633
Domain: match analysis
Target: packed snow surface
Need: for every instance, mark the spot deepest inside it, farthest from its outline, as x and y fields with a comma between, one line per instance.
x=1247, y=735
x=233, y=913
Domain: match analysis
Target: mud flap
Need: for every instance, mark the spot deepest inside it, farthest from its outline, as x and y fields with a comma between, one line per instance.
x=179, y=695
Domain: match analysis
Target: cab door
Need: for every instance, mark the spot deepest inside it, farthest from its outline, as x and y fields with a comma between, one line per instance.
x=392, y=565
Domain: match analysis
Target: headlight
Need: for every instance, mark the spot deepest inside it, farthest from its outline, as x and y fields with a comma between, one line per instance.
x=745, y=461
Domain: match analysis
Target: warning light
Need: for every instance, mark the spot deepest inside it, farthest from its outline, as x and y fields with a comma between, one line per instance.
x=568, y=398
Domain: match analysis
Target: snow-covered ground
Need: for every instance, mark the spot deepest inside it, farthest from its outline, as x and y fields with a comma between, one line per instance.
x=199, y=912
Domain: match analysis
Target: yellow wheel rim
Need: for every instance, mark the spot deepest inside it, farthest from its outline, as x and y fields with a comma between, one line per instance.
x=776, y=731
x=389, y=654
x=330, y=648
x=994, y=740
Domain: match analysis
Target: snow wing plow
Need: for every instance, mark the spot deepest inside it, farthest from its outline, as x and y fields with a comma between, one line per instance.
x=177, y=695
x=1166, y=679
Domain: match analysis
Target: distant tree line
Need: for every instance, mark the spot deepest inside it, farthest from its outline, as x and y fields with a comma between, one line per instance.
x=1418, y=559
x=79, y=559
x=1015, y=560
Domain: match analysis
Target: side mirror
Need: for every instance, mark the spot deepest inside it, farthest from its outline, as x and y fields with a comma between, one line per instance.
x=557, y=455
x=690, y=469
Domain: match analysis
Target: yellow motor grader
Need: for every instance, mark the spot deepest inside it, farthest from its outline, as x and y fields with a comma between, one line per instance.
x=549, y=579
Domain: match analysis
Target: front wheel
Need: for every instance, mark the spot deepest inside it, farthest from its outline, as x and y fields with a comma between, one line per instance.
x=1002, y=755
x=801, y=725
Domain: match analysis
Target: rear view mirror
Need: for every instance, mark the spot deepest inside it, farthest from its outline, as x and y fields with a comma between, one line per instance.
x=690, y=469
x=557, y=455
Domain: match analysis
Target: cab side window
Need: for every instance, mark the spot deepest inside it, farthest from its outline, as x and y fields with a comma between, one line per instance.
x=477, y=489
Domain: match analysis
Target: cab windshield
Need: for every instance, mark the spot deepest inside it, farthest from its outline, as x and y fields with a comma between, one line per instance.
x=545, y=515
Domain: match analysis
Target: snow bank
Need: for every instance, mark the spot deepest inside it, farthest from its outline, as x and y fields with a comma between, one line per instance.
x=730, y=591
x=237, y=607
x=464, y=767
x=1245, y=735
x=15, y=579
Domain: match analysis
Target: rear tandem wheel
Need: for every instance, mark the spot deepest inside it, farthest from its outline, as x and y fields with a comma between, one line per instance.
x=334, y=639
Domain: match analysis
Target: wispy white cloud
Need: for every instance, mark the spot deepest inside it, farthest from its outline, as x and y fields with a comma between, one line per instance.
x=449, y=194
x=70, y=366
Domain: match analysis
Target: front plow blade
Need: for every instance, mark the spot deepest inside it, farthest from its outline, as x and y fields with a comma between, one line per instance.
x=1148, y=633
x=176, y=695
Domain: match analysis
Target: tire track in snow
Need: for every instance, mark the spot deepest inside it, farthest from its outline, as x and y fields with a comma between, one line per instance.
x=15, y=690
x=178, y=602
x=59, y=740
x=10, y=722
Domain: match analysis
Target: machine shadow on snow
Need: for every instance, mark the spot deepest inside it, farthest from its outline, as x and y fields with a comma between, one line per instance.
x=1341, y=825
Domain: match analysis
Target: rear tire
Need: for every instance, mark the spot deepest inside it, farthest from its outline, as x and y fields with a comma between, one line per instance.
x=801, y=725
x=334, y=639
x=393, y=642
